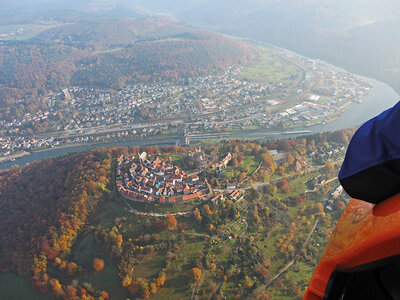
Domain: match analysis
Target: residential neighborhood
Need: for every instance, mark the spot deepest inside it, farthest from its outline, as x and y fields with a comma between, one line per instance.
x=221, y=103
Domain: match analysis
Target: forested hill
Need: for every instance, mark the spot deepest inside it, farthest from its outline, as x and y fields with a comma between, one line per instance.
x=43, y=207
x=110, y=51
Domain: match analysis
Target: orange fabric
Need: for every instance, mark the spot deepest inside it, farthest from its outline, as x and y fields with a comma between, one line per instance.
x=365, y=233
x=310, y=296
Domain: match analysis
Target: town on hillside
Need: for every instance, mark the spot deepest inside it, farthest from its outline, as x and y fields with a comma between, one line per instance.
x=305, y=93
x=150, y=179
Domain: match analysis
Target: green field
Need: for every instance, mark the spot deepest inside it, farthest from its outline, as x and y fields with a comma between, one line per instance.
x=164, y=208
x=297, y=186
x=271, y=68
x=177, y=284
x=300, y=272
x=109, y=50
x=83, y=254
x=150, y=264
x=249, y=165
x=168, y=40
x=14, y=287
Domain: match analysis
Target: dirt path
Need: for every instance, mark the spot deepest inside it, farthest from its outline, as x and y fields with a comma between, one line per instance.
x=284, y=269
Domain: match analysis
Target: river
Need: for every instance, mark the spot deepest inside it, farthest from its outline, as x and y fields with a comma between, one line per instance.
x=380, y=98
x=65, y=150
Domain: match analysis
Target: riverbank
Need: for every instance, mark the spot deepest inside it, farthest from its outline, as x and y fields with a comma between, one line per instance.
x=13, y=157
x=66, y=149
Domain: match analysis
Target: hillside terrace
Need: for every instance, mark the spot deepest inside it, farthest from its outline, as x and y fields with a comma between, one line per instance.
x=151, y=179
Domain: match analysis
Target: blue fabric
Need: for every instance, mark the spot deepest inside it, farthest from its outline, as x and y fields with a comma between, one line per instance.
x=375, y=142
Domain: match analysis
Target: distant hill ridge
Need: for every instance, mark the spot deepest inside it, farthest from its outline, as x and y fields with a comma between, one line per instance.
x=109, y=51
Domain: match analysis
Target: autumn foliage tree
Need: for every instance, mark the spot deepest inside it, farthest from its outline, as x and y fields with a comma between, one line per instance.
x=213, y=266
x=160, y=225
x=285, y=186
x=153, y=288
x=329, y=166
x=242, y=176
x=56, y=287
x=71, y=292
x=104, y=295
x=72, y=268
x=118, y=240
x=197, y=215
x=339, y=205
x=98, y=264
x=171, y=222
x=160, y=280
x=207, y=209
x=194, y=275
x=140, y=287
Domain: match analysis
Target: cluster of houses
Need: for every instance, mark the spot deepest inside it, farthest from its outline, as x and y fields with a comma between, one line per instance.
x=223, y=162
x=148, y=179
x=234, y=196
x=12, y=145
x=334, y=150
x=302, y=164
x=11, y=34
x=229, y=103
x=315, y=182
x=336, y=193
